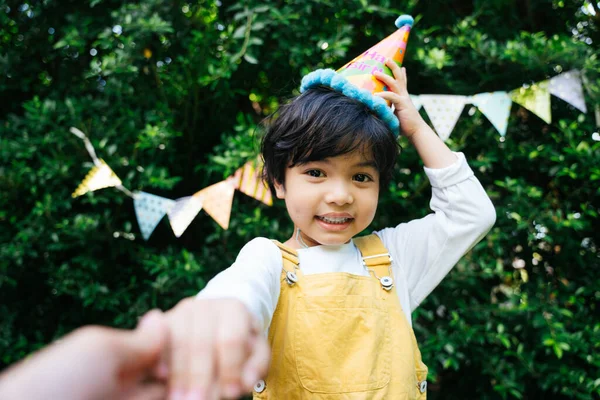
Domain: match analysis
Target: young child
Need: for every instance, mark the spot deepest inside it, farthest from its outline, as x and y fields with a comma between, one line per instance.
x=337, y=308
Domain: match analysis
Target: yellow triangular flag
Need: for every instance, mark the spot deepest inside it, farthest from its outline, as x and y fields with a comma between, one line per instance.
x=217, y=200
x=99, y=177
x=248, y=181
x=535, y=98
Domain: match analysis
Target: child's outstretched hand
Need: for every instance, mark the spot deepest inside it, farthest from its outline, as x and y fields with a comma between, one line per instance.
x=216, y=350
x=411, y=121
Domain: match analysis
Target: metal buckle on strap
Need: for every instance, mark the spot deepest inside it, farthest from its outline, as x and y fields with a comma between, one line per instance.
x=375, y=256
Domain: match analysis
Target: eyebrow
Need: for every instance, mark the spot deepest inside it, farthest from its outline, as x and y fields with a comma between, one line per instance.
x=366, y=164
x=363, y=164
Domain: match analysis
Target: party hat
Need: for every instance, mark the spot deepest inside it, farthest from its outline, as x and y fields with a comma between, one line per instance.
x=356, y=79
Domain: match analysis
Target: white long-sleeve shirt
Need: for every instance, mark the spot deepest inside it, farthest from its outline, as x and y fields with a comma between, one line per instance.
x=424, y=250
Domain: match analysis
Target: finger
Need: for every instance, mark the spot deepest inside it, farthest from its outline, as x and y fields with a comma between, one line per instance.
x=161, y=369
x=392, y=97
x=389, y=81
x=258, y=363
x=148, y=391
x=179, y=350
x=399, y=75
x=393, y=65
x=141, y=350
x=202, y=369
x=232, y=345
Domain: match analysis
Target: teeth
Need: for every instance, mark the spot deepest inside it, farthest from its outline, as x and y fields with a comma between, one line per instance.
x=335, y=220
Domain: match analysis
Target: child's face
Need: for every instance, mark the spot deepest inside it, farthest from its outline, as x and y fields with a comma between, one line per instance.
x=332, y=200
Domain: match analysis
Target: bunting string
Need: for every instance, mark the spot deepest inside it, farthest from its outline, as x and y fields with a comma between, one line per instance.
x=444, y=110
x=217, y=199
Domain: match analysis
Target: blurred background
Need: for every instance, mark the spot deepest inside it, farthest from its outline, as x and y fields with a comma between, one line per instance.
x=171, y=95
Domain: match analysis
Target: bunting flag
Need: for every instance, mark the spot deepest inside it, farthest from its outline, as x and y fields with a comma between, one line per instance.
x=416, y=101
x=248, y=181
x=149, y=210
x=99, y=177
x=217, y=200
x=183, y=213
x=535, y=98
x=567, y=86
x=443, y=111
x=496, y=108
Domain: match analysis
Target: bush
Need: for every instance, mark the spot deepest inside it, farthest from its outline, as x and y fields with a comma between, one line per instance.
x=171, y=95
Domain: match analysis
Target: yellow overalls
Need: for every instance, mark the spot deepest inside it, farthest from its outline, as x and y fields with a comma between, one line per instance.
x=341, y=336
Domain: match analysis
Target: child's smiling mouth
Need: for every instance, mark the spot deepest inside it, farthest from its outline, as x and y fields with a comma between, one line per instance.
x=338, y=221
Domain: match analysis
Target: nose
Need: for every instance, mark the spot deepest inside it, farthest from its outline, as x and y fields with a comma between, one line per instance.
x=339, y=193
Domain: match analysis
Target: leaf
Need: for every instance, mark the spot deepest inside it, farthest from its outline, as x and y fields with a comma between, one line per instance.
x=250, y=58
x=239, y=32
x=257, y=26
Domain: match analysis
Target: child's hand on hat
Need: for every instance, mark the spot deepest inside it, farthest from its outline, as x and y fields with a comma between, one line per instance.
x=411, y=121
x=216, y=349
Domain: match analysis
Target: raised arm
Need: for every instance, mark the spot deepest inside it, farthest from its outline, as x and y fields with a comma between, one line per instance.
x=426, y=249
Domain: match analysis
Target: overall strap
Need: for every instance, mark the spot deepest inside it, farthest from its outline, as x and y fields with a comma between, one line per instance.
x=288, y=253
x=373, y=251
x=291, y=269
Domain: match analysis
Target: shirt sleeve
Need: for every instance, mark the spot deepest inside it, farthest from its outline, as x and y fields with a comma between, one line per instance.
x=426, y=249
x=254, y=279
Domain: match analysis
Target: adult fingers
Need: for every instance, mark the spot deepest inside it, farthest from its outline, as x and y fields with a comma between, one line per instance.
x=258, y=363
x=161, y=369
x=202, y=368
x=232, y=344
x=179, y=349
x=148, y=391
x=139, y=351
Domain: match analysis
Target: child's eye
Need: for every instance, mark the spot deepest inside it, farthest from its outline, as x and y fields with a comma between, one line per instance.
x=315, y=173
x=362, y=178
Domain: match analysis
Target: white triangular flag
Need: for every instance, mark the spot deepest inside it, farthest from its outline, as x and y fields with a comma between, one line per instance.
x=496, y=107
x=567, y=86
x=149, y=210
x=183, y=213
x=443, y=111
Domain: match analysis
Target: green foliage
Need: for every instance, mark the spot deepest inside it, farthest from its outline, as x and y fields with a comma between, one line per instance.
x=171, y=94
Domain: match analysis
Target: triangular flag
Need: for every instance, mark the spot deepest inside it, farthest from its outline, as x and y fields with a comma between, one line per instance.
x=496, y=107
x=99, y=177
x=149, y=210
x=535, y=98
x=443, y=111
x=217, y=200
x=183, y=213
x=567, y=86
x=248, y=181
x=416, y=100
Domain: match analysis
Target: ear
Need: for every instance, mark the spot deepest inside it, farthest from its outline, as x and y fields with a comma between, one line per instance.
x=279, y=190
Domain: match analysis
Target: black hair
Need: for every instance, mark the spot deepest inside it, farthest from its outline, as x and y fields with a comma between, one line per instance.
x=323, y=123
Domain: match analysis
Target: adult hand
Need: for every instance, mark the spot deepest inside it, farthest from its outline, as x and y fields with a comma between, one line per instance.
x=93, y=363
x=216, y=349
